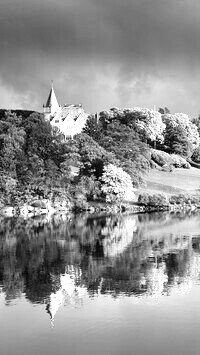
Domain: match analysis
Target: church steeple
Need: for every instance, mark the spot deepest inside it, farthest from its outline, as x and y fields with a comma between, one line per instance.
x=52, y=105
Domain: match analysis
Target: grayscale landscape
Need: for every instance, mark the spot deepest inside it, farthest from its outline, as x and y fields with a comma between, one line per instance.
x=99, y=177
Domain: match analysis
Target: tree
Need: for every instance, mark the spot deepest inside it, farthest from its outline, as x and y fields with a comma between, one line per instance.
x=164, y=111
x=94, y=128
x=146, y=122
x=12, y=139
x=132, y=154
x=177, y=141
x=196, y=155
x=179, y=127
x=196, y=122
x=92, y=156
x=116, y=184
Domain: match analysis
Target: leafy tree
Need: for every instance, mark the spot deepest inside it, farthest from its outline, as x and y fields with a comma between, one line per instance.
x=12, y=139
x=117, y=185
x=147, y=123
x=94, y=127
x=164, y=110
x=92, y=155
x=196, y=122
x=132, y=154
x=177, y=141
x=179, y=124
x=196, y=155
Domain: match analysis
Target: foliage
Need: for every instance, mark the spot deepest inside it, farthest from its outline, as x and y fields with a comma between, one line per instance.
x=164, y=110
x=179, y=162
x=129, y=151
x=185, y=198
x=31, y=158
x=196, y=155
x=196, y=122
x=86, y=187
x=94, y=127
x=117, y=185
x=147, y=123
x=181, y=134
x=90, y=156
x=12, y=139
x=155, y=200
x=162, y=158
x=110, y=156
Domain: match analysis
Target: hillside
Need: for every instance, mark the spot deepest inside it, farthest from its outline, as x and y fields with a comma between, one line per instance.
x=179, y=181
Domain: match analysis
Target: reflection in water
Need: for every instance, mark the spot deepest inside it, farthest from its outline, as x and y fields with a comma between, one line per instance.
x=60, y=261
x=68, y=293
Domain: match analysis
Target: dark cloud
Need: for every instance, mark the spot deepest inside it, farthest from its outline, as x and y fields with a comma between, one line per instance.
x=102, y=53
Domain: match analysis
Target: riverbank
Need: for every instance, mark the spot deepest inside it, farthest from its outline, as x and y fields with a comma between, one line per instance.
x=94, y=207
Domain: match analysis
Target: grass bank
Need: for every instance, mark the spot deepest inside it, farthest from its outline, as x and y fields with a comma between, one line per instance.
x=176, y=182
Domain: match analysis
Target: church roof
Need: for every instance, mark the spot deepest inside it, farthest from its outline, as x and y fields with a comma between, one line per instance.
x=71, y=112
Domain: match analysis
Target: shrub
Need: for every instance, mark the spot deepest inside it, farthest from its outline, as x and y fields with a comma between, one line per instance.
x=159, y=157
x=116, y=184
x=158, y=200
x=155, y=200
x=167, y=168
x=143, y=199
x=38, y=203
x=80, y=202
x=178, y=199
x=196, y=155
x=188, y=199
x=179, y=162
x=168, y=160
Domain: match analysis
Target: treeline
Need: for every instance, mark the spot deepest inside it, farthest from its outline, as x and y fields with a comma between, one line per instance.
x=111, y=156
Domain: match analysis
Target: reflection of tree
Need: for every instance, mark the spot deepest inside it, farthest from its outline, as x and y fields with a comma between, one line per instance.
x=119, y=254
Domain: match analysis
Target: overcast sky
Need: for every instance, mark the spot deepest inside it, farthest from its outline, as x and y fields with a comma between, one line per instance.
x=101, y=53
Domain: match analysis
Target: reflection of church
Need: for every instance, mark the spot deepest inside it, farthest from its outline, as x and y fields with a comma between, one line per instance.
x=69, y=119
x=68, y=293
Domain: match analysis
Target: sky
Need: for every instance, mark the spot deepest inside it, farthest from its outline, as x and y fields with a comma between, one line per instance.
x=101, y=53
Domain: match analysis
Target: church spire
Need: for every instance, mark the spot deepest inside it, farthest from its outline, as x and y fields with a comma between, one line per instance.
x=52, y=107
x=52, y=101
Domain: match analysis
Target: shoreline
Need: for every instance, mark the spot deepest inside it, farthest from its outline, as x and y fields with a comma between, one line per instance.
x=29, y=211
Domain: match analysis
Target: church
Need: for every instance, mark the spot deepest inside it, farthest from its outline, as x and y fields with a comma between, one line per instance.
x=69, y=119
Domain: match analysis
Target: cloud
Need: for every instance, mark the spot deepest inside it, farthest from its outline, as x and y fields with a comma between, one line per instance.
x=102, y=53
x=11, y=99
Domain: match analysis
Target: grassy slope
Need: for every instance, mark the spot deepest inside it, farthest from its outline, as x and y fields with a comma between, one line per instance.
x=179, y=181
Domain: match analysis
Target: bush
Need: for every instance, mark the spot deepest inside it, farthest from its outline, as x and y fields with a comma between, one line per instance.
x=167, y=168
x=155, y=200
x=80, y=202
x=38, y=203
x=167, y=161
x=159, y=157
x=196, y=155
x=178, y=199
x=187, y=199
x=158, y=200
x=143, y=199
x=116, y=185
x=179, y=162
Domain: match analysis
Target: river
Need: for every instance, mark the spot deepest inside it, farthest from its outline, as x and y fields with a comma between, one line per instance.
x=119, y=284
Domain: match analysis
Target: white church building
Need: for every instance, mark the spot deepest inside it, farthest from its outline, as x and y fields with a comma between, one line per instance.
x=69, y=119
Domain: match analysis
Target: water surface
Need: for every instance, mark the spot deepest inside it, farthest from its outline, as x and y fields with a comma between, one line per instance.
x=123, y=284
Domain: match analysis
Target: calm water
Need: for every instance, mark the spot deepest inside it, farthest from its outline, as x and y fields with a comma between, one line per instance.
x=124, y=284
